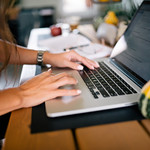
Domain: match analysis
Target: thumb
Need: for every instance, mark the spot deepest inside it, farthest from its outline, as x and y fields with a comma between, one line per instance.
x=75, y=66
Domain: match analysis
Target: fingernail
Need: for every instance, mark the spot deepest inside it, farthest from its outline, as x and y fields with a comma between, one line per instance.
x=80, y=67
x=49, y=70
x=97, y=64
x=79, y=91
x=92, y=67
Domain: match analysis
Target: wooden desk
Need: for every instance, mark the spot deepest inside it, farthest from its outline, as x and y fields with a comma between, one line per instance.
x=131, y=135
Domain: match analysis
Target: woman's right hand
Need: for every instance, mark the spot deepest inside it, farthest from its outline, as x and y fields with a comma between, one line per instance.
x=44, y=87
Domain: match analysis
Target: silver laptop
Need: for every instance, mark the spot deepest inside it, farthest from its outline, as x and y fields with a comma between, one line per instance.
x=118, y=81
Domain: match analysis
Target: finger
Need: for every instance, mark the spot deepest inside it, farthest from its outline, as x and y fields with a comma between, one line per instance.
x=66, y=92
x=50, y=70
x=43, y=75
x=50, y=78
x=74, y=65
x=64, y=81
x=85, y=62
x=94, y=63
x=89, y=63
x=60, y=75
x=46, y=73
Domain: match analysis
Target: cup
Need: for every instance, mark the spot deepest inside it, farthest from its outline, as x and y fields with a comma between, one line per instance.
x=73, y=21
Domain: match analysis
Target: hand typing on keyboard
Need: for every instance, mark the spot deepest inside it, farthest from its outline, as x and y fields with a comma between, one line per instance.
x=104, y=81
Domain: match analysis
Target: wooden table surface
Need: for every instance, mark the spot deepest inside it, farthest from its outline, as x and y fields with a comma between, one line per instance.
x=132, y=135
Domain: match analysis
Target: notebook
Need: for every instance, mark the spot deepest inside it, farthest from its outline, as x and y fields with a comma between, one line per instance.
x=118, y=81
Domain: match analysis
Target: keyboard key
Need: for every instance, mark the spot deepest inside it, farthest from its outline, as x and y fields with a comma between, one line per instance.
x=119, y=92
x=103, y=92
x=126, y=90
x=106, y=81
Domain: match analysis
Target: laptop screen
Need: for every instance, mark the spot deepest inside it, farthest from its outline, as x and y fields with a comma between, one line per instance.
x=134, y=45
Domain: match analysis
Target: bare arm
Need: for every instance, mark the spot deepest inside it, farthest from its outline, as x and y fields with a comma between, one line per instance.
x=9, y=100
x=44, y=86
x=36, y=91
x=26, y=56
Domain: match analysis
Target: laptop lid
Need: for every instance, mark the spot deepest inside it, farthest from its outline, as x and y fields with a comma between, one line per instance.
x=132, y=52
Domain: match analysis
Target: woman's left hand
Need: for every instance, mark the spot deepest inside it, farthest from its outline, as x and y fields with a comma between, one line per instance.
x=69, y=59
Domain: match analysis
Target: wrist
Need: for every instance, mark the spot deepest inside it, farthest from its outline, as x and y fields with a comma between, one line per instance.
x=14, y=93
x=11, y=100
x=39, y=58
x=19, y=97
x=47, y=58
x=24, y=97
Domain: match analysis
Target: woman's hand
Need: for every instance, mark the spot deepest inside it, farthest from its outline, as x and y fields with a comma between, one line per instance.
x=69, y=59
x=44, y=87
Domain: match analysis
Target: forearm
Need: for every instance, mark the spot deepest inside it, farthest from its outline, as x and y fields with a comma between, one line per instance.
x=26, y=56
x=22, y=56
x=9, y=100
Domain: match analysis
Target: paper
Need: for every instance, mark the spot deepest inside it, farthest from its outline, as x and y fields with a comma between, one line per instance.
x=59, y=43
x=90, y=50
x=94, y=51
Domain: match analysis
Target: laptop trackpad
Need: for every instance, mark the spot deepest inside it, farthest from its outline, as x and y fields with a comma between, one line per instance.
x=68, y=99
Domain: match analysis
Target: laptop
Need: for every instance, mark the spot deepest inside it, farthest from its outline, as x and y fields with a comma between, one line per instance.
x=118, y=81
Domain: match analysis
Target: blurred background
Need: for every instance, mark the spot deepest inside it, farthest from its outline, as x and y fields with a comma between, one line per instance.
x=29, y=14
x=108, y=20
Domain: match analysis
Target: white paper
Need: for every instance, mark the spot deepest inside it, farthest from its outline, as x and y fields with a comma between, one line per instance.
x=91, y=50
x=94, y=51
x=59, y=43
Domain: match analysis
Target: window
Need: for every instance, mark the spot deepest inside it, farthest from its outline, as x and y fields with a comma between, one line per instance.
x=77, y=8
x=74, y=6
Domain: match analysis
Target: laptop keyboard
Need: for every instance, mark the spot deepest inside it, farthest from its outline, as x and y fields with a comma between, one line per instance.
x=104, y=81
